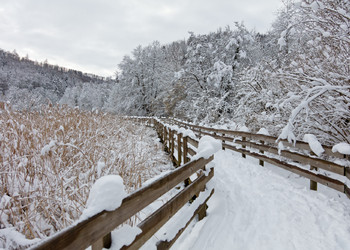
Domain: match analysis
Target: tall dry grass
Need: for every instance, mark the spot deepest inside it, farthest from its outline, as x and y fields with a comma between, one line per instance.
x=50, y=159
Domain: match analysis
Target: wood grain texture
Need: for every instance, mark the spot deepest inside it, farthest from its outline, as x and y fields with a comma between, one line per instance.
x=191, y=151
x=193, y=142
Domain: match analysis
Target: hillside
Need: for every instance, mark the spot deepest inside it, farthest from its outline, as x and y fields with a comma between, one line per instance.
x=27, y=84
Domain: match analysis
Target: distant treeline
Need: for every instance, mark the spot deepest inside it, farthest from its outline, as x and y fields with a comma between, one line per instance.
x=29, y=84
x=293, y=80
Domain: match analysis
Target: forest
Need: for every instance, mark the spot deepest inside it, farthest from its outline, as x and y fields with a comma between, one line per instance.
x=293, y=80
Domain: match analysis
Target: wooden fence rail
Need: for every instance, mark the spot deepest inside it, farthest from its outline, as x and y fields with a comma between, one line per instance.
x=96, y=231
x=265, y=149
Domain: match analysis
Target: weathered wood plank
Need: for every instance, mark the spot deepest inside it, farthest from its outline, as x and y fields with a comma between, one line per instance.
x=191, y=151
x=216, y=136
x=193, y=142
x=156, y=220
x=325, y=180
x=200, y=133
x=104, y=242
x=98, y=245
x=167, y=244
x=86, y=232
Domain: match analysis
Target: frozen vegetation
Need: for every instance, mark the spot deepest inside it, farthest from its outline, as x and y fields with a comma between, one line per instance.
x=51, y=158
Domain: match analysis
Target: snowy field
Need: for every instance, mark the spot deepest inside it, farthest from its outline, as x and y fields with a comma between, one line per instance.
x=256, y=208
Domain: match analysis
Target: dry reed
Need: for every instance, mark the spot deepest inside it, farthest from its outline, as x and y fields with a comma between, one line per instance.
x=50, y=159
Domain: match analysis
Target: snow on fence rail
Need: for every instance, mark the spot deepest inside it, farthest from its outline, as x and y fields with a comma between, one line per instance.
x=96, y=231
x=299, y=156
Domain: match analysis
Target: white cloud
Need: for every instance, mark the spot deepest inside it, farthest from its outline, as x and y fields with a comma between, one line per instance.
x=93, y=35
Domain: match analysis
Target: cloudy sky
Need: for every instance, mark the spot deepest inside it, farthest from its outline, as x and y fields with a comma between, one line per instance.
x=94, y=35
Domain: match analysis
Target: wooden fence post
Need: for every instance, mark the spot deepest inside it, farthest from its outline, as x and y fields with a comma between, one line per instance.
x=223, y=142
x=172, y=143
x=313, y=184
x=185, y=149
x=104, y=242
x=185, y=152
x=243, y=139
x=179, y=151
x=169, y=140
x=165, y=139
x=261, y=162
x=161, y=131
x=202, y=212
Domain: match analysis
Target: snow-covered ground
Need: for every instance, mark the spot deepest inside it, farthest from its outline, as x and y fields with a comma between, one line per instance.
x=256, y=208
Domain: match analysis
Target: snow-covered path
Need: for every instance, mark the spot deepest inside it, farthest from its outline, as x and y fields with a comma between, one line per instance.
x=255, y=208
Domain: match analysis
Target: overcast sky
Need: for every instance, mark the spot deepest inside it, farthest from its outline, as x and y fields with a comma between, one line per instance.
x=94, y=35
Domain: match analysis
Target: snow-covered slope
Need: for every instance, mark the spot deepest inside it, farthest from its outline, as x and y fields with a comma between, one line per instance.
x=255, y=208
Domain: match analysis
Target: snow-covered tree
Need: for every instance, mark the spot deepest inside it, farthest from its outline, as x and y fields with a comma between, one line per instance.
x=318, y=75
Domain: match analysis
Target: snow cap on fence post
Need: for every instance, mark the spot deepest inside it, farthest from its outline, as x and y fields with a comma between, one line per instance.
x=314, y=144
x=263, y=131
x=207, y=146
x=107, y=193
x=342, y=148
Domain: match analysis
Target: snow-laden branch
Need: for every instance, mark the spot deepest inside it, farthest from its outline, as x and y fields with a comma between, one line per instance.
x=312, y=94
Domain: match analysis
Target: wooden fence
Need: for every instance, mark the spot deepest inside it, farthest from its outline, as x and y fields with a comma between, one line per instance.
x=297, y=158
x=96, y=231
